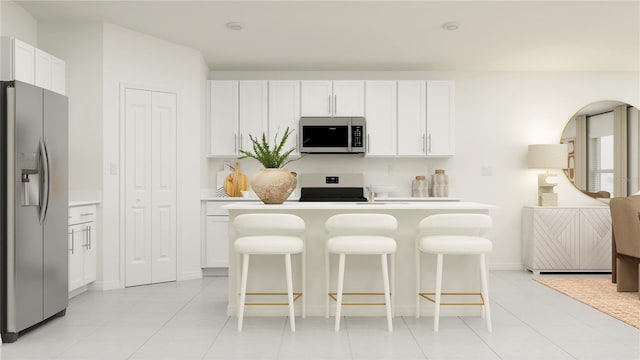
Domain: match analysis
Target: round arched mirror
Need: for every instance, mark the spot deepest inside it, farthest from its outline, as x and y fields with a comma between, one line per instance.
x=603, y=157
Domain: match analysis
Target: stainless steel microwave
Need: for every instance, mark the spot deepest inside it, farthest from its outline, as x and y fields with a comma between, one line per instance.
x=332, y=135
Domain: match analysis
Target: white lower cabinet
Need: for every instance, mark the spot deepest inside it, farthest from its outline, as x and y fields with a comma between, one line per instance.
x=82, y=246
x=216, y=237
x=566, y=239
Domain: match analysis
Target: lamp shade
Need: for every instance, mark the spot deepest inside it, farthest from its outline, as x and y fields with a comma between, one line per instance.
x=548, y=156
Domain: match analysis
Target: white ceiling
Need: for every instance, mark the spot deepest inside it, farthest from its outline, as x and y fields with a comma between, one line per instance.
x=382, y=35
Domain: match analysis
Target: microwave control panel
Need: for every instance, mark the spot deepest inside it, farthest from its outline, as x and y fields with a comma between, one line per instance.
x=356, y=136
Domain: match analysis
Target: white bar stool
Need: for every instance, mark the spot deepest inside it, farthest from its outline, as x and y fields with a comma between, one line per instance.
x=269, y=234
x=454, y=234
x=360, y=234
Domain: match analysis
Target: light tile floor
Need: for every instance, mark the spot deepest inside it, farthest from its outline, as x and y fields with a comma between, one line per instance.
x=186, y=320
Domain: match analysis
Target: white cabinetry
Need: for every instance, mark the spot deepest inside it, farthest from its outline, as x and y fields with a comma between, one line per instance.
x=412, y=118
x=20, y=64
x=216, y=238
x=381, y=113
x=223, y=114
x=26, y=63
x=284, y=110
x=340, y=98
x=58, y=75
x=82, y=246
x=440, y=118
x=571, y=239
x=237, y=109
x=253, y=112
x=43, y=69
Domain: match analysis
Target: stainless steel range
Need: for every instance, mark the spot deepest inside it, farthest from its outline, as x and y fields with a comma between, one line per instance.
x=332, y=187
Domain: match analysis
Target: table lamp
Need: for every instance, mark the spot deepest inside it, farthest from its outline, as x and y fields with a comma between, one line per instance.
x=547, y=156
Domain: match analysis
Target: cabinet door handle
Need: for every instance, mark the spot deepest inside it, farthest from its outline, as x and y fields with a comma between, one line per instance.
x=329, y=104
x=235, y=142
x=424, y=143
x=86, y=214
x=429, y=139
x=240, y=147
x=368, y=142
x=89, y=237
x=335, y=104
x=73, y=241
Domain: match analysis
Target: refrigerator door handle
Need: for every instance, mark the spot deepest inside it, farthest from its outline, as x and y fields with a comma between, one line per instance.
x=44, y=156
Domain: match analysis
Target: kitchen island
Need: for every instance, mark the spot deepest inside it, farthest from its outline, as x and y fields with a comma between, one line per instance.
x=362, y=273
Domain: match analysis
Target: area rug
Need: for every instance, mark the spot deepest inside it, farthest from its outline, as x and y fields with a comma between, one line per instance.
x=600, y=294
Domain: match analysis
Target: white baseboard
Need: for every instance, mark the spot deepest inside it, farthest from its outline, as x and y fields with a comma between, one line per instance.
x=105, y=285
x=506, y=266
x=190, y=275
x=78, y=291
x=215, y=271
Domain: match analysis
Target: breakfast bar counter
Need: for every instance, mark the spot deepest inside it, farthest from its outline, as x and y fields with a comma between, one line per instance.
x=363, y=275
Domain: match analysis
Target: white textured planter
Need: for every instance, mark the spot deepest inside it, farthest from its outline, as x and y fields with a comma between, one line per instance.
x=273, y=186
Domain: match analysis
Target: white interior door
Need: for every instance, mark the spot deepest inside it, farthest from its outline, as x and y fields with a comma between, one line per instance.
x=138, y=187
x=150, y=185
x=163, y=187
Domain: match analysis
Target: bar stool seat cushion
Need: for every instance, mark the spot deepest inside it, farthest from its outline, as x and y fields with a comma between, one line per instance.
x=361, y=245
x=455, y=244
x=269, y=244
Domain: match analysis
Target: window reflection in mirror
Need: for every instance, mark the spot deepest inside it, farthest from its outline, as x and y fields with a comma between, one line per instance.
x=600, y=164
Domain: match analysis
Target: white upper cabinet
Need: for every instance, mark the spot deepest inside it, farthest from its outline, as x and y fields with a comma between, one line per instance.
x=18, y=60
x=440, y=118
x=317, y=98
x=253, y=112
x=348, y=98
x=43, y=69
x=237, y=109
x=58, y=75
x=23, y=62
x=223, y=113
x=412, y=118
x=284, y=110
x=381, y=114
x=340, y=98
x=406, y=118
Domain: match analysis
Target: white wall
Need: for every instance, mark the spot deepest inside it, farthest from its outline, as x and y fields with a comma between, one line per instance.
x=134, y=58
x=79, y=44
x=497, y=115
x=16, y=21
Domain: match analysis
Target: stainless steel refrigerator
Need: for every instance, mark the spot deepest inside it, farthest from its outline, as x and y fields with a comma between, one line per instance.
x=33, y=207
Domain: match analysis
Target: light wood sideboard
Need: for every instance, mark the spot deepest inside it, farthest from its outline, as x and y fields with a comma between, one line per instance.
x=566, y=239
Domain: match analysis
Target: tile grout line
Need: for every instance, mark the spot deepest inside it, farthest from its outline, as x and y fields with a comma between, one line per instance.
x=164, y=324
x=414, y=337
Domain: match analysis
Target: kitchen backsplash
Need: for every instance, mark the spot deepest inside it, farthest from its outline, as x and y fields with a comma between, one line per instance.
x=377, y=171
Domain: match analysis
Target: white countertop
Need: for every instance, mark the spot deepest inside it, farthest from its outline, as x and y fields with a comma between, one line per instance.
x=296, y=198
x=380, y=205
x=83, y=203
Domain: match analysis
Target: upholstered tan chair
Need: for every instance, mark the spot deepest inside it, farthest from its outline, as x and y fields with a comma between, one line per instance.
x=625, y=217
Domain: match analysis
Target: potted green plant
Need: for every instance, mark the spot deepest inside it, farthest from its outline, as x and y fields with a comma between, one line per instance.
x=274, y=183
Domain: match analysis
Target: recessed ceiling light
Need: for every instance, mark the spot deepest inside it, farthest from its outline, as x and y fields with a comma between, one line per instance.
x=234, y=25
x=450, y=26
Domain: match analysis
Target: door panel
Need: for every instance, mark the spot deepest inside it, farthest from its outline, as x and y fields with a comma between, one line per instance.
x=253, y=111
x=56, y=297
x=75, y=257
x=137, y=187
x=89, y=259
x=284, y=111
x=163, y=187
x=412, y=118
x=28, y=281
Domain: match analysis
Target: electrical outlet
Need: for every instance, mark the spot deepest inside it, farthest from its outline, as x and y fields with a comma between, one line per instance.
x=486, y=171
